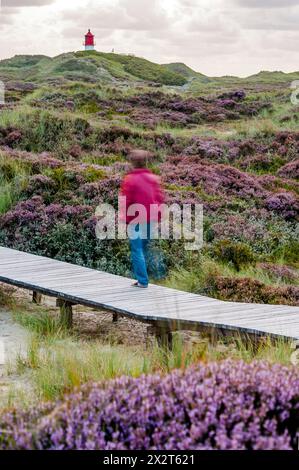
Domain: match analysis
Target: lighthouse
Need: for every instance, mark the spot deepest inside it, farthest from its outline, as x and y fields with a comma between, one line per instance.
x=89, y=41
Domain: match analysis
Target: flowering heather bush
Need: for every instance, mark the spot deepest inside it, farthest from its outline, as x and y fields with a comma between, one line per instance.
x=284, y=203
x=279, y=271
x=274, y=184
x=264, y=162
x=113, y=133
x=37, y=162
x=150, y=120
x=105, y=190
x=251, y=290
x=227, y=181
x=263, y=155
x=264, y=231
x=15, y=432
x=213, y=149
x=240, y=227
x=34, y=210
x=290, y=170
x=65, y=232
x=286, y=144
x=213, y=178
x=224, y=405
x=34, y=217
x=40, y=184
x=231, y=106
x=10, y=136
x=185, y=196
x=259, y=155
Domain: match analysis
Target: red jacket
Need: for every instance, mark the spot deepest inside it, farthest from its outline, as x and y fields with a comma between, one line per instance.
x=141, y=186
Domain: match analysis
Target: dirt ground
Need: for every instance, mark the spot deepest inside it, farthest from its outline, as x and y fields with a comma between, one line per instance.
x=94, y=323
x=13, y=339
x=87, y=322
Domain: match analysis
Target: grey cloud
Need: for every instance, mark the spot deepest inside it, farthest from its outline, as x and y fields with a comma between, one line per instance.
x=267, y=4
x=211, y=22
x=268, y=26
x=76, y=32
x=286, y=20
x=26, y=3
x=277, y=41
x=5, y=18
x=127, y=15
x=188, y=3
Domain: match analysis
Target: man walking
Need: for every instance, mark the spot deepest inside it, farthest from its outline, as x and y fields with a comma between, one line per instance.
x=142, y=187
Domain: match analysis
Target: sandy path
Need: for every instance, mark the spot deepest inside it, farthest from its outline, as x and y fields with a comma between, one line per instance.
x=13, y=339
x=13, y=342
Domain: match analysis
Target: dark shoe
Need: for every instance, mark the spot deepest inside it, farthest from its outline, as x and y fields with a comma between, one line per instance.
x=141, y=286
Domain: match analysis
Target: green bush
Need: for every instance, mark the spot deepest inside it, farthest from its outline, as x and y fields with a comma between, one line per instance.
x=42, y=131
x=287, y=252
x=237, y=254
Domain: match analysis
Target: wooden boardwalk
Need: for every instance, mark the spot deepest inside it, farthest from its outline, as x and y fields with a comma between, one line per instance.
x=166, y=309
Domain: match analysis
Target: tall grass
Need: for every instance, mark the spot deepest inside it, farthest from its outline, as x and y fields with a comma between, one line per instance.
x=7, y=197
x=41, y=323
x=256, y=128
x=57, y=361
x=58, y=366
x=15, y=117
x=13, y=179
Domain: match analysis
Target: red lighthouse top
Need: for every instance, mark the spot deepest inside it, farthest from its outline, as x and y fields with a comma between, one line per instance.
x=89, y=39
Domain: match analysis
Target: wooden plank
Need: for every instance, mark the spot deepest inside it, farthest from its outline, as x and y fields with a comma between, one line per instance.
x=247, y=313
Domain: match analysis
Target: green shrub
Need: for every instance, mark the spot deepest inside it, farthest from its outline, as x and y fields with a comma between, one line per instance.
x=64, y=179
x=287, y=252
x=42, y=131
x=92, y=174
x=238, y=254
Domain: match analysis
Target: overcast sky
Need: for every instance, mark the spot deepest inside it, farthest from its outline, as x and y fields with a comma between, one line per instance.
x=215, y=37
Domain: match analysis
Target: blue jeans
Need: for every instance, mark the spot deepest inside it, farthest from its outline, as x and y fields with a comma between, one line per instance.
x=139, y=236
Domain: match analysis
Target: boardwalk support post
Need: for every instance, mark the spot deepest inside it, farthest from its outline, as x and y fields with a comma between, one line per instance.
x=66, y=312
x=115, y=317
x=36, y=297
x=163, y=336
